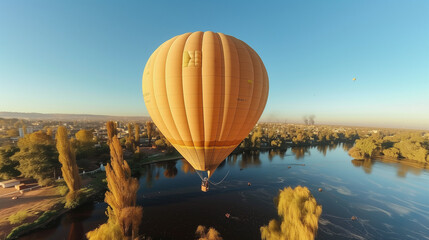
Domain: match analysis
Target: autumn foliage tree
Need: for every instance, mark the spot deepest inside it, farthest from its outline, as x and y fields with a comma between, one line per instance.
x=84, y=143
x=137, y=133
x=124, y=215
x=203, y=233
x=364, y=148
x=69, y=169
x=299, y=213
x=129, y=144
x=111, y=130
x=149, y=130
x=85, y=136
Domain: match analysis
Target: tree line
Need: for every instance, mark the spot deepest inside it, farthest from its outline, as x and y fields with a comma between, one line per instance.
x=411, y=145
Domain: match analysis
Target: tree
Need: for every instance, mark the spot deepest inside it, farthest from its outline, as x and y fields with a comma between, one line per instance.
x=412, y=150
x=356, y=153
x=49, y=132
x=137, y=133
x=129, y=144
x=299, y=215
x=149, y=130
x=366, y=147
x=85, y=137
x=67, y=158
x=111, y=131
x=37, y=157
x=8, y=167
x=13, y=132
x=256, y=138
x=130, y=131
x=84, y=144
x=391, y=152
x=207, y=234
x=121, y=197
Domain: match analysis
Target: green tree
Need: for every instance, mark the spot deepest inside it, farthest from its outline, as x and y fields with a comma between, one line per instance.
x=37, y=157
x=366, y=147
x=24, y=129
x=412, y=150
x=8, y=167
x=67, y=158
x=391, y=152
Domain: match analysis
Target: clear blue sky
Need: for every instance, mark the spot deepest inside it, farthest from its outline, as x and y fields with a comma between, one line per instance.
x=88, y=56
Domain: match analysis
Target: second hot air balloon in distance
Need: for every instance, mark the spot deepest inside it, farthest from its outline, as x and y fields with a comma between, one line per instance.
x=205, y=92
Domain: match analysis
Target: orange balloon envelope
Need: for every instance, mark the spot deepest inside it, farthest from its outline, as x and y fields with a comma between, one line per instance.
x=205, y=91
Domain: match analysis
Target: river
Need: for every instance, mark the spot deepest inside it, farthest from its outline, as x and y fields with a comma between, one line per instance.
x=390, y=200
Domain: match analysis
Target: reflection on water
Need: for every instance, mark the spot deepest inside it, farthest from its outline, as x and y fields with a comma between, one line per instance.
x=186, y=167
x=403, y=167
x=366, y=164
x=300, y=152
x=76, y=231
x=388, y=201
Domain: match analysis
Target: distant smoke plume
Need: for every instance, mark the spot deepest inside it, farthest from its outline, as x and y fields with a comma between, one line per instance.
x=305, y=118
x=309, y=120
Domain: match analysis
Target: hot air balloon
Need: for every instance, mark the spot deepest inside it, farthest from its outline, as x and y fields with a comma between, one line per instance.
x=205, y=92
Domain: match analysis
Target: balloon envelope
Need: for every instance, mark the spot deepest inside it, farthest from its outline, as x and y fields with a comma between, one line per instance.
x=205, y=91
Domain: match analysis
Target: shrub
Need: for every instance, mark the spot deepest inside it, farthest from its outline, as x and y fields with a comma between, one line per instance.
x=109, y=230
x=19, y=217
x=62, y=190
x=16, y=232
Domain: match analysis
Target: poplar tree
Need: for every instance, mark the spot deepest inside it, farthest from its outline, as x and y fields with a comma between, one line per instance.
x=149, y=129
x=137, y=133
x=69, y=169
x=111, y=130
x=124, y=215
x=130, y=139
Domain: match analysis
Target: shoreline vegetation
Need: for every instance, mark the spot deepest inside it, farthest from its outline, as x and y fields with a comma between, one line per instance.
x=97, y=188
x=143, y=144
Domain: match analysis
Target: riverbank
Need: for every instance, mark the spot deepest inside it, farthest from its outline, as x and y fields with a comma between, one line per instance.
x=46, y=204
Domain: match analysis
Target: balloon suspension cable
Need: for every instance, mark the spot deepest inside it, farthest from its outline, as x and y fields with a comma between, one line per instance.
x=220, y=180
x=199, y=174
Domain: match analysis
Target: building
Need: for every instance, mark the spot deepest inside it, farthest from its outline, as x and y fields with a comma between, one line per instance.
x=28, y=130
x=9, y=183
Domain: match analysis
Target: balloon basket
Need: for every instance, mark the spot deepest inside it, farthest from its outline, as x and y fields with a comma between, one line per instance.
x=205, y=185
x=204, y=188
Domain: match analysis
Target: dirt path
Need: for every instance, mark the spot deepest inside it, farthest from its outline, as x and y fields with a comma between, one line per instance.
x=35, y=202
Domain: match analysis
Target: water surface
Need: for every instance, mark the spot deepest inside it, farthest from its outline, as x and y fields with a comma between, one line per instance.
x=390, y=201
